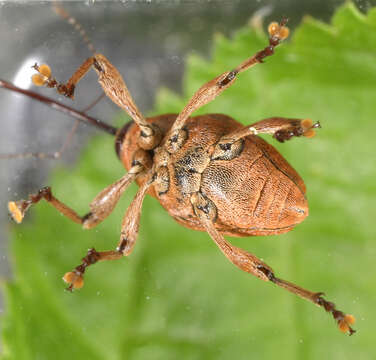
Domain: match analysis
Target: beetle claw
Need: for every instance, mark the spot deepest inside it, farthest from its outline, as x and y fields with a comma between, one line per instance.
x=343, y=320
x=69, y=288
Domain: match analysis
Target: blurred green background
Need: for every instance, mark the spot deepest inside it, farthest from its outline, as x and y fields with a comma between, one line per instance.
x=177, y=296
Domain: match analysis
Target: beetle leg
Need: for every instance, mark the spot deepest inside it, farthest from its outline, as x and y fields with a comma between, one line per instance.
x=114, y=87
x=129, y=232
x=131, y=220
x=281, y=128
x=344, y=321
x=210, y=90
x=75, y=278
x=206, y=211
x=102, y=205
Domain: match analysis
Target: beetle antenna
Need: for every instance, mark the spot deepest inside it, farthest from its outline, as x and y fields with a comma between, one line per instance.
x=79, y=115
x=59, y=10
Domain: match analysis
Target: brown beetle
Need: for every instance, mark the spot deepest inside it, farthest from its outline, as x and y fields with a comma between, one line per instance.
x=209, y=172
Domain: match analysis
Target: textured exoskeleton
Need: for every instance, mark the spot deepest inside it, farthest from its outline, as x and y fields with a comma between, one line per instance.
x=209, y=172
x=255, y=193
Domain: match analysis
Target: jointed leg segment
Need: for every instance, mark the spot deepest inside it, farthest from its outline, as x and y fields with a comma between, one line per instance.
x=230, y=145
x=113, y=86
x=206, y=211
x=280, y=128
x=102, y=205
x=131, y=220
x=75, y=277
x=128, y=237
x=215, y=87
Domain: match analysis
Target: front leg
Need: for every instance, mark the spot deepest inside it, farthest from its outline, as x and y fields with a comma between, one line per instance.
x=282, y=129
x=279, y=127
x=114, y=87
x=206, y=211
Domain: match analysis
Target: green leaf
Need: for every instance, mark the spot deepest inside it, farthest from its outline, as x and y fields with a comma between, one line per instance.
x=176, y=296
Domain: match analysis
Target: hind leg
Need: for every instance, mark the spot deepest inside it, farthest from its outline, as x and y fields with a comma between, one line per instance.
x=206, y=211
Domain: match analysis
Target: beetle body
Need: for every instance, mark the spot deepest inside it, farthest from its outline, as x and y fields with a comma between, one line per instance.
x=256, y=193
x=209, y=172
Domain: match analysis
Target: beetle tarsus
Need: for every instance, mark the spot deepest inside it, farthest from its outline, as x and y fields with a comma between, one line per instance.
x=343, y=320
x=303, y=127
x=156, y=150
x=75, y=277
